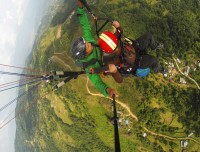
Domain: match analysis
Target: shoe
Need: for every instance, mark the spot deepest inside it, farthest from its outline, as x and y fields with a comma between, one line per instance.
x=164, y=72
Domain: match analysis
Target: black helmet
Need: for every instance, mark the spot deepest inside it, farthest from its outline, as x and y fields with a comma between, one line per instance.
x=78, y=49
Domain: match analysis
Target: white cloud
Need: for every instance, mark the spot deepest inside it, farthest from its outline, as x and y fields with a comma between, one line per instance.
x=20, y=13
x=4, y=139
x=8, y=37
x=11, y=17
x=13, y=11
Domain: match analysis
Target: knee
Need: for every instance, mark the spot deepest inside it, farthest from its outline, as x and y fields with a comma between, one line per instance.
x=119, y=80
x=117, y=77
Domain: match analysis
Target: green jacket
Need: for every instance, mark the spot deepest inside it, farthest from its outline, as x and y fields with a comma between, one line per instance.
x=96, y=53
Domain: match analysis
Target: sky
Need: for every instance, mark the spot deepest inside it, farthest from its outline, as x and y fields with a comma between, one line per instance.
x=19, y=22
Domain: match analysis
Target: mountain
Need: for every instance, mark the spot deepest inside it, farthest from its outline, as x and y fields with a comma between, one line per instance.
x=155, y=113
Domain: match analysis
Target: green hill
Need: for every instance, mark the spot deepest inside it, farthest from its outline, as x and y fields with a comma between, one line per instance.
x=71, y=119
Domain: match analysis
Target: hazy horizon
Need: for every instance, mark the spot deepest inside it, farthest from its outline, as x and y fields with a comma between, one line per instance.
x=19, y=22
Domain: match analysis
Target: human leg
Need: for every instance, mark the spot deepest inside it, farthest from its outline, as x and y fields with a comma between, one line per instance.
x=148, y=61
x=143, y=42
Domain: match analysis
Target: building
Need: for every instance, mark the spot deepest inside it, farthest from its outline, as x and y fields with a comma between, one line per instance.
x=190, y=134
x=179, y=61
x=144, y=135
x=182, y=81
x=126, y=121
x=184, y=143
x=187, y=70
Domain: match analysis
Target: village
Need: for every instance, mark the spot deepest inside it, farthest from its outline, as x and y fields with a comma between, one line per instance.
x=186, y=70
x=125, y=124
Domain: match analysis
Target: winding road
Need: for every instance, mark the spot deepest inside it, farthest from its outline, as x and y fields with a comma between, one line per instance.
x=136, y=118
x=120, y=103
x=184, y=74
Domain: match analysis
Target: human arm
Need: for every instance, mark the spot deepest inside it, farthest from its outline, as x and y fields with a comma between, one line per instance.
x=111, y=92
x=100, y=85
x=115, y=73
x=84, y=22
x=80, y=5
x=118, y=27
x=116, y=24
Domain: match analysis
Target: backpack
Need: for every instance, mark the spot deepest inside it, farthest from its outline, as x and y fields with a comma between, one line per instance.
x=142, y=72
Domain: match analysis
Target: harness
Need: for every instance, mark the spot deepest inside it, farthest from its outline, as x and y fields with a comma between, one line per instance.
x=125, y=67
x=86, y=64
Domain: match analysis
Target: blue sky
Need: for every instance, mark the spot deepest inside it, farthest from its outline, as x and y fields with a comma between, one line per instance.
x=19, y=21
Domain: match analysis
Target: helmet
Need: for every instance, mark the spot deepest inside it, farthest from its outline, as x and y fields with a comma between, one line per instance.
x=108, y=42
x=78, y=49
